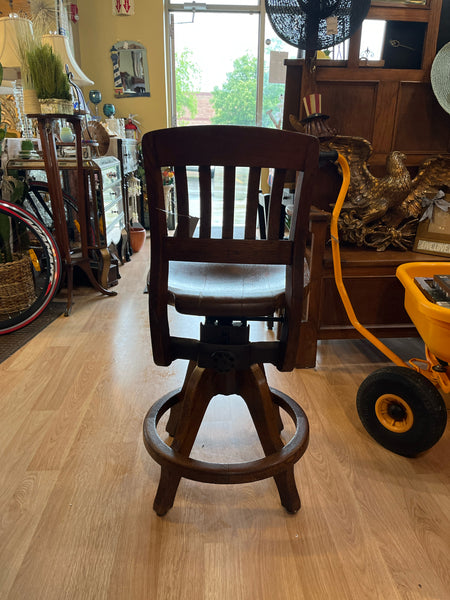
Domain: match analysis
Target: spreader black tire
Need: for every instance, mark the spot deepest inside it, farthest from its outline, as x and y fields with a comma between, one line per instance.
x=402, y=410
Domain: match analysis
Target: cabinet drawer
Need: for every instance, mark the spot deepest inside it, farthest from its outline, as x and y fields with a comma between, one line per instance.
x=112, y=211
x=112, y=194
x=110, y=170
x=114, y=229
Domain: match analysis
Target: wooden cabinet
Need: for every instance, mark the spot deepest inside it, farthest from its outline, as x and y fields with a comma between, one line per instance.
x=376, y=295
x=126, y=151
x=107, y=216
x=110, y=205
x=393, y=108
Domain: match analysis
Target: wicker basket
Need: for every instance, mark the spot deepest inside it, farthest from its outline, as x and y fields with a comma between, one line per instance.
x=16, y=285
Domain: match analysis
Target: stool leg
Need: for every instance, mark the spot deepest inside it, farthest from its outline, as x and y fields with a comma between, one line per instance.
x=175, y=411
x=199, y=389
x=165, y=494
x=258, y=397
x=287, y=490
x=280, y=423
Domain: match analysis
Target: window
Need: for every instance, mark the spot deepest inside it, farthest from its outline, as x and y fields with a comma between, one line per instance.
x=225, y=63
x=226, y=66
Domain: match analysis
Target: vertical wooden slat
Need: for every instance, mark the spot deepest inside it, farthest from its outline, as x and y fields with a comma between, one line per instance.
x=229, y=188
x=254, y=177
x=274, y=212
x=182, y=204
x=205, y=200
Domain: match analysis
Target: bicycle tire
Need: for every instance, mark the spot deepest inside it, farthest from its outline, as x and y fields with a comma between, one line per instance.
x=28, y=239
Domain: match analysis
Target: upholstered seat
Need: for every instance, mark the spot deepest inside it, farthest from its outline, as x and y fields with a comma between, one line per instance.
x=230, y=281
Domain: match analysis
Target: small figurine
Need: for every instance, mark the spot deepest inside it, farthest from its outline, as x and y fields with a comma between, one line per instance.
x=131, y=128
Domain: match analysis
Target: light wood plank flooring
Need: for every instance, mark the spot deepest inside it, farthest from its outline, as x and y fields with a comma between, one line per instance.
x=77, y=486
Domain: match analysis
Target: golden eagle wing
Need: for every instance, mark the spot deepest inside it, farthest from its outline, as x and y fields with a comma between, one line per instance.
x=433, y=175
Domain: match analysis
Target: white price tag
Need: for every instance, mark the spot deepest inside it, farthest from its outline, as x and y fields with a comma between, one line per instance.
x=332, y=26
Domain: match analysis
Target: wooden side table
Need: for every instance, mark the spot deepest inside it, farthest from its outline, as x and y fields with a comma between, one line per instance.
x=70, y=259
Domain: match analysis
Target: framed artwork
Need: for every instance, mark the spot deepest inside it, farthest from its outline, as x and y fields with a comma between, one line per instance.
x=433, y=232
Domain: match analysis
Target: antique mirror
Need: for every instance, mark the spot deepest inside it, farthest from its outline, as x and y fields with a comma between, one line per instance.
x=130, y=70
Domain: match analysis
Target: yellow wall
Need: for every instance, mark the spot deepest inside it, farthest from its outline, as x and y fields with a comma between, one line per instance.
x=98, y=30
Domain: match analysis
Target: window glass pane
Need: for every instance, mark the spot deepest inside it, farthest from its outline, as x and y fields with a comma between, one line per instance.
x=338, y=52
x=372, y=39
x=276, y=51
x=217, y=197
x=215, y=68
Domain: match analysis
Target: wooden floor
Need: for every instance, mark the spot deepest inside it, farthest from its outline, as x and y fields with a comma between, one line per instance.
x=77, y=486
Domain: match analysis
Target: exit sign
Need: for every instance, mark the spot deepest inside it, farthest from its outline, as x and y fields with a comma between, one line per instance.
x=123, y=7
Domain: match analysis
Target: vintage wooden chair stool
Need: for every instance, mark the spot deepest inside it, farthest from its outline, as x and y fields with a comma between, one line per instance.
x=228, y=281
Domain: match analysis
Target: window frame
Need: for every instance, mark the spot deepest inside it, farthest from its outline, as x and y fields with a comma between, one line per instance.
x=193, y=7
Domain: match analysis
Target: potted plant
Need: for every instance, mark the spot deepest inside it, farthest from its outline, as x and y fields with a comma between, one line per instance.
x=49, y=79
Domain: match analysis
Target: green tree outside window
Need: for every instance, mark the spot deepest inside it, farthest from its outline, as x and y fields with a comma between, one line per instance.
x=187, y=84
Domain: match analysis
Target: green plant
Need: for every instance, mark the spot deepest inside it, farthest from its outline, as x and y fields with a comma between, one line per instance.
x=47, y=73
x=27, y=145
x=26, y=43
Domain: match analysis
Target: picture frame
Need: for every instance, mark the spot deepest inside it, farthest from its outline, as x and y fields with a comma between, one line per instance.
x=433, y=235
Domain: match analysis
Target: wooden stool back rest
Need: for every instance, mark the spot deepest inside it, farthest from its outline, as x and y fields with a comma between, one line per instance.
x=207, y=147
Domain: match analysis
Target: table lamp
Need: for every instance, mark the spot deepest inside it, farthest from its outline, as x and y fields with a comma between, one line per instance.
x=60, y=46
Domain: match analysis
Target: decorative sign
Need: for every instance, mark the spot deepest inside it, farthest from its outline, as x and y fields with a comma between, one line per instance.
x=433, y=231
x=123, y=7
x=277, y=68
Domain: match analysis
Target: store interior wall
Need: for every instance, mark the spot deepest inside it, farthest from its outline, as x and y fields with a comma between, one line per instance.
x=94, y=34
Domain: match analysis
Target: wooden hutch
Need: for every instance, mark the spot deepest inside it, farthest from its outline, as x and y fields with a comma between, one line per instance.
x=392, y=106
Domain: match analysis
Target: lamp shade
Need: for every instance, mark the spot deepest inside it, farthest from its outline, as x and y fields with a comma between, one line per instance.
x=12, y=29
x=60, y=46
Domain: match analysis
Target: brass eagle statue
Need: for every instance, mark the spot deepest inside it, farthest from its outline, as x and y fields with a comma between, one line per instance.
x=380, y=212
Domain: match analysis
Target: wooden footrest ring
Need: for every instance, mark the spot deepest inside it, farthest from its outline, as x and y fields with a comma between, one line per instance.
x=221, y=473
